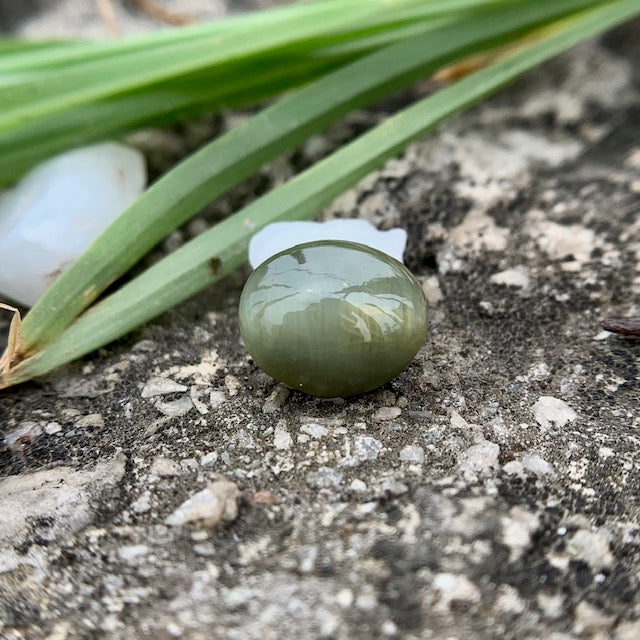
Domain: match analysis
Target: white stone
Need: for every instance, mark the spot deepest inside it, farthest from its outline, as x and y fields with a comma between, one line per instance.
x=432, y=291
x=217, y=398
x=175, y=408
x=478, y=461
x=628, y=631
x=58, y=209
x=366, y=447
x=509, y=601
x=386, y=413
x=280, y=236
x=163, y=467
x=536, y=464
x=358, y=486
x=142, y=504
x=592, y=547
x=344, y=598
x=90, y=421
x=209, y=458
x=213, y=506
x=131, y=553
x=324, y=477
x=479, y=231
x=589, y=620
x=52, y=428
x=161, y=386
x=276, y=399
x=516, y=277
x=314, y=430
x=412, y=453
x=561, y=241
x=549, y=411
x=514, y=468
x=452, y=587
x=551, y=605
x=517, y=529
x=282, y=438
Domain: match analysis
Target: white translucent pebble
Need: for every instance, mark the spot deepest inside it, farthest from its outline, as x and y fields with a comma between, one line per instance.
x=279, y=236
x=58, y=209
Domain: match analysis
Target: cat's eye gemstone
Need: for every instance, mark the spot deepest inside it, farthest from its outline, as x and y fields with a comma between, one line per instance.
x=332, y=318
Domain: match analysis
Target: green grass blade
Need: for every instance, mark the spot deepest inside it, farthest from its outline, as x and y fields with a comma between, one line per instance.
x=27, y=57
x=217, y=252
x=40, y=94
x=221, y=164
x=164, y=105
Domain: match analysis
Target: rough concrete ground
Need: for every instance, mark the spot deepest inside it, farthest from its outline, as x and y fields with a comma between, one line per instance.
x=490, y=491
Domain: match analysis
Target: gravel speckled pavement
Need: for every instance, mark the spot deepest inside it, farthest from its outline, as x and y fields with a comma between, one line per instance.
x=165, y=488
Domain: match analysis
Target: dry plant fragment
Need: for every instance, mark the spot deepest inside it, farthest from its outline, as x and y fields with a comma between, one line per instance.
x=154, y=10
x=108, y=15
x=13, y=343
x=464, y=67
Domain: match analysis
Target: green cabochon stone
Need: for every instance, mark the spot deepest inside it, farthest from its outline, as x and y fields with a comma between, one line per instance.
x=332, y=318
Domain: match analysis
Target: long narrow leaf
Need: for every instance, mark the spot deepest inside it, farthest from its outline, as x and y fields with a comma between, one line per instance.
x=28, y=55
x=217, y=252
x=28, y=100
x=218, y=166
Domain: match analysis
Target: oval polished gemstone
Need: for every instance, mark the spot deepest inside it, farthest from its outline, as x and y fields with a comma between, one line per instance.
x=332, y=318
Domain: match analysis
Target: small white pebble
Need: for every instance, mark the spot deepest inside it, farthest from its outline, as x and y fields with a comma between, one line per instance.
x=282, y=438
x=175, y=408
x=451, y=587
x=215, y=505
x=161, y=386
x=52, y=427
x=163, y=467
x=233, y=385
x=358, y=486
x=209, y=458
x=549, y=411
x=280, y=236
x=314, y=429
x=366, y=447
x=478, y=461
x=387, y=413
x=58, y=209
x=142, y=504
x=516, y=277
x=432, y=291
x=217, y=399
x=91, y=421
x=536, y=464
x=344, y=598
x=412, y=453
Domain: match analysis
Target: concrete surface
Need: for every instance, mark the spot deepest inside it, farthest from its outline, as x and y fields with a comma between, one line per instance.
x=165, y=488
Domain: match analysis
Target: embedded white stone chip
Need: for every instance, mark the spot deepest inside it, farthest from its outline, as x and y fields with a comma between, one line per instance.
x=58, y=209
x=279, y=236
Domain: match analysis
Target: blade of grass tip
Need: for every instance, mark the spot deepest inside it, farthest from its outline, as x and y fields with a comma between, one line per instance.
x=222, y=249
x=224, y=162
